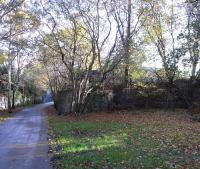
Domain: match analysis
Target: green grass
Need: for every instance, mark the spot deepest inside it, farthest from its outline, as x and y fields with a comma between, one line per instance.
x=86, y=144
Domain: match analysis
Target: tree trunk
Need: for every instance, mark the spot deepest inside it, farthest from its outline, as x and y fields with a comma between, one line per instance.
x=9, y=88
x=13, y=99
x=23, y=96
x=127, y=46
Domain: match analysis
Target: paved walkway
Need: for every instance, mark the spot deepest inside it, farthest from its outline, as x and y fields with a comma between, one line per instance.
x=23, y=140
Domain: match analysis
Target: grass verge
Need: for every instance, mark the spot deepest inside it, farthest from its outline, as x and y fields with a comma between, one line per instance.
x=123, y=140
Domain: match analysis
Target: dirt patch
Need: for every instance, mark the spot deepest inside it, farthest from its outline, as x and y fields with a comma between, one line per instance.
x=15, y=110
x=5, y=114
x=50, y=110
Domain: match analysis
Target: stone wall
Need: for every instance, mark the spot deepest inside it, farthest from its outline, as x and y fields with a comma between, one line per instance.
x=124, y=99
x=63, y=100
x=101, y=101
x=128, y=99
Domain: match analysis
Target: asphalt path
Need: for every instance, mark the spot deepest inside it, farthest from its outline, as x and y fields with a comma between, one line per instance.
x=23, y=140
